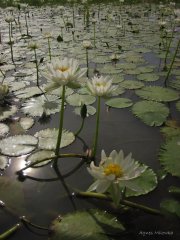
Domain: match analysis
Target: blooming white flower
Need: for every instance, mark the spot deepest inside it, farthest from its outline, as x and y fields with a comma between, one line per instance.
x=33, y=45
x=48, y=34
x=115, y=169
x=64, y=72
x=9, y=18
x=101, y=86
x=87, y=44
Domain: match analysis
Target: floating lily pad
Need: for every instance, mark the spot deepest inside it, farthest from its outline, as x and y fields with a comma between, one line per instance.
x=7, y=111
x=141, y=185
x=18, y=145
x=169, y=156
x=26, y=122
x=4, y=129
x=148, y=77
x=90, y=110
x=28, y=92
x=157, y=93
x=78, y=100
x=171, y=206
x=119, y=102
x=48, y=138
x=42, y=105
x=151, y=113
x=3, y=162
x=87, y=225
x=132, y=84
x=40, y=155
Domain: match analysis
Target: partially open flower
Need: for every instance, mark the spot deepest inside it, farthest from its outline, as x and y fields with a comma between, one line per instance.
x=101, y=86
x=10, y=18
x=87, y=44
x=4, y=90
x=115, y=169
x=64, y=72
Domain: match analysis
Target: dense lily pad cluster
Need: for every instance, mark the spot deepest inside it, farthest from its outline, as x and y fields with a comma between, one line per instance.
x=55, y=58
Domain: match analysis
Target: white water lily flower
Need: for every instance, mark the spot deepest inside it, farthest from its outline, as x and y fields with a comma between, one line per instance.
x=87, y=44
x=10, y=18
x=33, y=45
x=113, y=170
x=64, y=72
x=101, y=86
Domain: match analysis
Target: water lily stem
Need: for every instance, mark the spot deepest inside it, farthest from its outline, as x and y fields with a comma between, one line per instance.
x=122, y=202
x=27, y=29
x=60, y=121
x=81, y=127
x=97, y=127
x=10, y=231
x=37, y=67
x=3, y=75
x=26, y=222
x=65, y=155
x=11, y=42
x=49, y=48
x=94, y=28
x=168, y=48
x=172, y=62
x=87, y=63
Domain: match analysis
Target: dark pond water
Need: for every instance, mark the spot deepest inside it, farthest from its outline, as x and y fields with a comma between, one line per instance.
x=119, y=129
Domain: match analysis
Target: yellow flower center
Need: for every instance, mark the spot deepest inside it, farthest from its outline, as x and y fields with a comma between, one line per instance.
x=102, y=84
x=113, y=168
x=63, y=69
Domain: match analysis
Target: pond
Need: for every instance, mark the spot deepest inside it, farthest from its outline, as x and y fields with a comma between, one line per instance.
x=82, y=84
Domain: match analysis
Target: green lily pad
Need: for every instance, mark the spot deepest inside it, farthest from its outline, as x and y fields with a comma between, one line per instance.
x=151, y=113
x=157, y=93
x=131, y=84
x=48, y=138
x=18, y=145
x=119, y=102
x=171, y=206
x=4, y=129
x=174, y=190
x=78, y=100
x=169, y=156
x=87, y=225
x=26, y=122
x=42, y=105
x=148, y=77
x=90, y=111
x=28, y=92
x=7, y=111
x=141, y=185
x=40, y=155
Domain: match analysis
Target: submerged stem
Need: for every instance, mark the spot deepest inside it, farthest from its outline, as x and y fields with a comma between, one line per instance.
x=87, y=63
x=49, y=48
x=81, y=127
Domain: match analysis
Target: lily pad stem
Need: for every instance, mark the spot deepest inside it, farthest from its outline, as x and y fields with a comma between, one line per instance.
x=60, y=121
x=122, y=202
x=9, y=232
x=37, y=67
x=49, y=48
x=87, y=63
x=81, y=127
